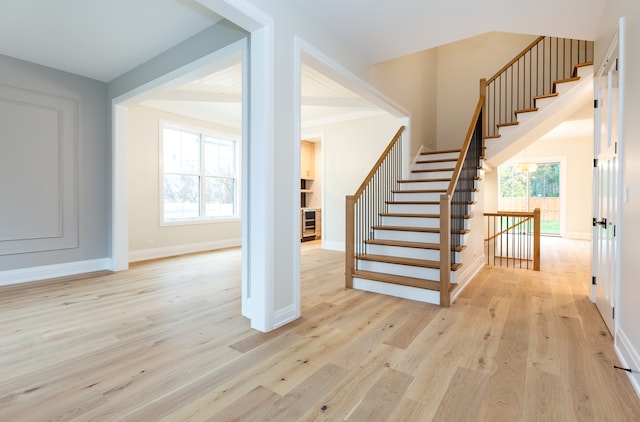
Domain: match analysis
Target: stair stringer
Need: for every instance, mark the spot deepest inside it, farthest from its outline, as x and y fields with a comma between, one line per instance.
x=551, y=112
x=472, y=257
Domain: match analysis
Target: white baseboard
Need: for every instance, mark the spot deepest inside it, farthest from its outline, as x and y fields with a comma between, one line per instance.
x=25, y=275
x=167, y=251
x=333, y=246
x=577, y=236
x=629, y=358
x=467, y=273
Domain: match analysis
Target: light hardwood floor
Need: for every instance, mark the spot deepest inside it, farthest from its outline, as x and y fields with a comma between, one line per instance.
x=165, y=341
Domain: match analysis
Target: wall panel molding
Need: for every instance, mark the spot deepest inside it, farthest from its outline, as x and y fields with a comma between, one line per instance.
x=38, y=171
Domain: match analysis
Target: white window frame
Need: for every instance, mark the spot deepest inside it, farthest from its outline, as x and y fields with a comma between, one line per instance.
x=238, y=173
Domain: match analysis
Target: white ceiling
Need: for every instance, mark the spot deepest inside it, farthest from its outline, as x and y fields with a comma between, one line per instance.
x=102, y=39
x=217, y=98
x=99, y=39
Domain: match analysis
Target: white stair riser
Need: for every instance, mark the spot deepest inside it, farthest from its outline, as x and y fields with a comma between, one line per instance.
x=417, y=196
x=434, y=165
x=407, y=236
x=411, y=222
x=414, y=208
x=397, y=269
x=404, y=252
x=425, y=185
x=432, y=175
x=565, y=86
x=584, y=71
x=406, y=292
x=439, y=156
x=543, y=102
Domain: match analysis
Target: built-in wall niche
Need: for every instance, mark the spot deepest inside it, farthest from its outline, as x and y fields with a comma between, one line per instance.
x=307, y=171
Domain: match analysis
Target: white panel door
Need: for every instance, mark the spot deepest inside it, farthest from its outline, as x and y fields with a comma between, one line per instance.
x=606, y=186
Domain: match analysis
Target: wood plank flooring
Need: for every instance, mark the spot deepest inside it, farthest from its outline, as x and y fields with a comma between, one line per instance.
x=165, y=341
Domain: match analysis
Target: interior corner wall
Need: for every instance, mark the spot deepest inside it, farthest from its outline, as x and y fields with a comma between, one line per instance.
x=461, y=65
x=351, y=149
x=628, y=333
x=147, y=238
x=411, y=81
x=91, y=214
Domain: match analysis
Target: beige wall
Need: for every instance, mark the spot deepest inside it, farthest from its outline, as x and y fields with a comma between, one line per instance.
x=350, y=149
x=461, y=65
x=575, y=156
x=147, y=239
x=411, y=81
x=440, y=86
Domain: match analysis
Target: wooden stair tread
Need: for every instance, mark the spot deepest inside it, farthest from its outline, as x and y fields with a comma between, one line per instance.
x=526, y=110
x=449, y=151
x=421, y=283
x=492, y=136
x=420, y=191
x=415, y=229
x=540, y=97
x=443, y=160
x=391, y=214
x=514, y=123
x=439, y=179
x=422, y=263
x=435, y=170
x=415, y=245
x=413, y=202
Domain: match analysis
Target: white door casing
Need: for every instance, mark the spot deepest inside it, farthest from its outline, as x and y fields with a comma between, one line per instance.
x=606, y=179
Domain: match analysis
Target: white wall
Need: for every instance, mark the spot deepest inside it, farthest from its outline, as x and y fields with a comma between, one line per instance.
x=576, y=156
x=628, y=335
x=350, y=150
x=147, y=239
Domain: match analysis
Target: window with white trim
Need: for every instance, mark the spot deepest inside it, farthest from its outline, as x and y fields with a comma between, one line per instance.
x=199, y=175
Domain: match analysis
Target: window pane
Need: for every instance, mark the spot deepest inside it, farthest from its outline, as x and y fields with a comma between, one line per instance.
x=181, y=151
x=544, y=193
x=181, y=196
x=220, y=197
x=219, y=155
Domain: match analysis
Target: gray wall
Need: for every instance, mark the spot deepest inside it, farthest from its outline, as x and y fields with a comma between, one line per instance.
x=55, y=209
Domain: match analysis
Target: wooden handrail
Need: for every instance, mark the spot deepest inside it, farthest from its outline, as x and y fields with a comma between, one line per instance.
x=465, y=147
x=515, y=59
x=376, y=166
x=509, y=214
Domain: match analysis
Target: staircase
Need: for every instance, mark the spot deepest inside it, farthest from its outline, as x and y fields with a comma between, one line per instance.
x=407, y=237
x=405, y=247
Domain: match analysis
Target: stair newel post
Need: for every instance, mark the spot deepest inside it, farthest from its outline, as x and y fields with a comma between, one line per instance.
x=536, y=239
x=445, y=250
x=349, y=259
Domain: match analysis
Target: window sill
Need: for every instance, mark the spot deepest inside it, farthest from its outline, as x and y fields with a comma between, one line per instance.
x=199, y=221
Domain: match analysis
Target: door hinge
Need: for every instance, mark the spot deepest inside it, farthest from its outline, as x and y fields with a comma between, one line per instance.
x=614, y=230
x=613, y=312
x=593, y=280
x=617, y=62
x=595, y=221
x=595, y=162
x=616, y=148
x=595, y=103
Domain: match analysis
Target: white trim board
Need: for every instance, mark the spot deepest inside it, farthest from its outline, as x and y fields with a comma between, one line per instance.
x=25, y=275
x=167, y=251
x=629, y=358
